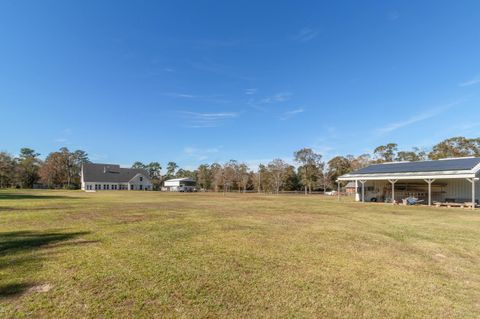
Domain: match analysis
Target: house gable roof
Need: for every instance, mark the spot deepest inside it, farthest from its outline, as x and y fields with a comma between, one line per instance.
x=110, y=173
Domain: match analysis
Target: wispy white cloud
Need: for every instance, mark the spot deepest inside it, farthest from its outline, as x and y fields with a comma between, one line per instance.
x=64, y=137
x=289, y=114
x=179, y=95
x=261, y=103
x=473, y=81
x=250, y=91
x=419, y=117
x=204, y=120
x=297, y=111
x=200, y=154
x=306, y=34
x=279, y=97
x=216, y=98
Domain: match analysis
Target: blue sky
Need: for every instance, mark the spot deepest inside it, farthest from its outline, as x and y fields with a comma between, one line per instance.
x=204, y=81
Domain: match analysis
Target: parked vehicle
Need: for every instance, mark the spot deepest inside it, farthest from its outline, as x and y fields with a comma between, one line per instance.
x=186, y=189
x=331, y=193
x=373, y=194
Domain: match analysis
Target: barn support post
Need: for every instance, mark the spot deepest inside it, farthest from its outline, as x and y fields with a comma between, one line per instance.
x=357, y=196
x=363, y=189
x=473, y=193
x=429, y=182
x=393, y=181
x=338, y=193
x=473, y=180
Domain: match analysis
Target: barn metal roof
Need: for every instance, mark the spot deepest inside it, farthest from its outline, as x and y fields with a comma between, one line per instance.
x=184, y=179
x=454, y=164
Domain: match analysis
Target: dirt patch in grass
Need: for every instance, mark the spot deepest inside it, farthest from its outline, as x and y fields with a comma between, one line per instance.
x=40, y=288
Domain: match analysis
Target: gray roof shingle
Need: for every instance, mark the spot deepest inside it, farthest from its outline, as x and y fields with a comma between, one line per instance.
x=457, y=164
x=110, y=173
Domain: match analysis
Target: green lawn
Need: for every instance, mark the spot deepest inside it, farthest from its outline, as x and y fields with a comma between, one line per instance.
x=69, y=254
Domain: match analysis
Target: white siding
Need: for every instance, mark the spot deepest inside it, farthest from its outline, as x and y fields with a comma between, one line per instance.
x=100, y=186
x=172, y=183
x=461, y=189
x=140, y=182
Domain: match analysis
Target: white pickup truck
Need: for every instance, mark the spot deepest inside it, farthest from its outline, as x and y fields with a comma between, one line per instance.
x=372, y=194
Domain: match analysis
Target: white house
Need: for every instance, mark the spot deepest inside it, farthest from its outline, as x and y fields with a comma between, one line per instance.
x=113, y=177
x=179, y=185
x=449, y=182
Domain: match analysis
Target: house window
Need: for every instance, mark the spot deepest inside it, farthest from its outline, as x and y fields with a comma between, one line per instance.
x=141, y=179
x=131, y=187
x=141, y=186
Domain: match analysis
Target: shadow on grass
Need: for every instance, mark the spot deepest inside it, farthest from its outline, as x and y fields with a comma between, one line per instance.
x=13, y=244
x=10, y=196
x=11, y=290
x=29, y=208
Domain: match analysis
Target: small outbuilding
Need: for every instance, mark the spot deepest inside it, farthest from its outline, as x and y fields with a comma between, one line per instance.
x=350, y=188
x=180, y=185
x=446, y=182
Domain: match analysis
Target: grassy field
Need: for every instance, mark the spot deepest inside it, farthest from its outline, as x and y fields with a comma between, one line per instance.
x=69, y=254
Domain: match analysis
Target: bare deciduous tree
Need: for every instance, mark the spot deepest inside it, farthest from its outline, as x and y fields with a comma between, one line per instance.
x=278, y=172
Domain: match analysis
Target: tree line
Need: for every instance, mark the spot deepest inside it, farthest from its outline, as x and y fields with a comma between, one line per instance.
x=61, y=169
